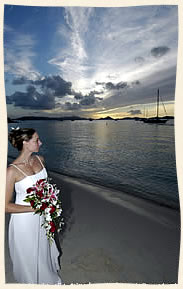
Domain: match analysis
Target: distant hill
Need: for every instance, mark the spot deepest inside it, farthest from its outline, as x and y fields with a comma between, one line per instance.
x=11, y=120
x=73, y=118
x=51, y=118
x=168, y=117
x=106, y=118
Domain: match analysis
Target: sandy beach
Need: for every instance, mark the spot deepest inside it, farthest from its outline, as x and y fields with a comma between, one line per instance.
x=111, y=237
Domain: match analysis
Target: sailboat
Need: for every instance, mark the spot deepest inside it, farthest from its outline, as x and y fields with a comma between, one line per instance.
x=156, y=119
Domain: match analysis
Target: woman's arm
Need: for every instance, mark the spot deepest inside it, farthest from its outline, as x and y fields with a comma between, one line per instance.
x=10, y=207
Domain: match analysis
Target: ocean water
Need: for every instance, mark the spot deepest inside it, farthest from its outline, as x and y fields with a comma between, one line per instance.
x=130, y=156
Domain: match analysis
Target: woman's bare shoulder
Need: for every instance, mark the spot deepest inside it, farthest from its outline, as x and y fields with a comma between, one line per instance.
x=40, y=157
x=11, y=172
x=16, y=162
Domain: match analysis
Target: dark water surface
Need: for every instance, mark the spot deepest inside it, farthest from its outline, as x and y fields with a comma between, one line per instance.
x=131, y=156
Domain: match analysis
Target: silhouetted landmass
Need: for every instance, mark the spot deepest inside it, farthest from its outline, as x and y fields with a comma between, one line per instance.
x=106, y=118
x=51, y=118
x=73, y=118
x=11, y=120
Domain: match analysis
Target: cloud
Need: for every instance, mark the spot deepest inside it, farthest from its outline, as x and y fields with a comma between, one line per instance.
x=147, y=90
x=96, y=49
x=20, y=80
x=84, y=100
x=55, y=84
x=90, y=98
x=112, y=86
x=77, y=95
x=40, y=94
x=100, y=45
x=74, y=54
x=139, y=59
x=19, y=52
x=136, y=82
x=9, y=99
x=159, y=51
x=100, y=83
x=7, y=28
x=134, y=111
x=31, y=99
x=45, y=92
x=71, y=106
x=118, y=86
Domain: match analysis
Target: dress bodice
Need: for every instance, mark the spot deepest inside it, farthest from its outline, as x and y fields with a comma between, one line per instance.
x=26, y=234
x=27, y=182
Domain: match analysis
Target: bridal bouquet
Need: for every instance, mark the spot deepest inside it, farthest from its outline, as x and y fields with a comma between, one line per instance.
x=43, y=197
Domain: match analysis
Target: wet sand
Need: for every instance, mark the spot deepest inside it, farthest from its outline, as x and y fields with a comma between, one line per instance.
x=111, y=237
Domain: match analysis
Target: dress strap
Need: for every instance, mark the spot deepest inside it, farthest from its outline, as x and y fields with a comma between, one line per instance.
x=40, y=160
x=18, y=169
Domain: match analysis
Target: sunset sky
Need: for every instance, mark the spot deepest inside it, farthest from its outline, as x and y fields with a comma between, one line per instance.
x=91, y=62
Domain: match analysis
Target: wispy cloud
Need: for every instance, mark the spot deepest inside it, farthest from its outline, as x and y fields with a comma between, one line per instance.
x=121, y=42
x=134, y=111
x=95, y=58
x=72, y=61
x=19, y=54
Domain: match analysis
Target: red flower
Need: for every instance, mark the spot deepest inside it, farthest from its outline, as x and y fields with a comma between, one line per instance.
x=52, y=209
x=44, y=206
x=40, y=181
x=53, y=228
x=29, y=190
x=39, y=193
x=32, y=203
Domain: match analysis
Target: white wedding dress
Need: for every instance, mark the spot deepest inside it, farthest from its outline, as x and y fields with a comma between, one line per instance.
x=34, y=260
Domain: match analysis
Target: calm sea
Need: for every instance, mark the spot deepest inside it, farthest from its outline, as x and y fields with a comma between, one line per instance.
x=130, y=156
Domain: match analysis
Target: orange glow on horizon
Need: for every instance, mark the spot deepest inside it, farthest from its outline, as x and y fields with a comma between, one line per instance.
x=147, y=110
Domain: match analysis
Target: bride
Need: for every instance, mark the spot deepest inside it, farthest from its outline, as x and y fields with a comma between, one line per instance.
x=34, y=260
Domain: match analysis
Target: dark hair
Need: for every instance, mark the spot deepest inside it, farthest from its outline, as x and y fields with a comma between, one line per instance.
x=17, y=135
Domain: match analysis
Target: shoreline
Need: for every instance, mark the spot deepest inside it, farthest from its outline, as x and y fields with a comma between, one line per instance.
x=176, y=206
x=116, y=189
x=107, y=239
x=121, y=199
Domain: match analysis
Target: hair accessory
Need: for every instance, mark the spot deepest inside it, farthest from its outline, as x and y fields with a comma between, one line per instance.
x=15, y=128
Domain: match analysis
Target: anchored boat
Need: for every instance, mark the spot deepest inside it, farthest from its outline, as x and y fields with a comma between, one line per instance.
x=156, y=119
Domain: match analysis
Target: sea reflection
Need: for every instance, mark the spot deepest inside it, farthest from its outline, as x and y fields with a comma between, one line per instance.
x=130, y=156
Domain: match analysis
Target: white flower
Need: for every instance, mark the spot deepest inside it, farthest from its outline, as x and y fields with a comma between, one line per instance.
x=15, y=128
x=48, y=217
x=58, y=213
x=47, y=210
x=49, y=227
x=49, y=191
x=54, y=202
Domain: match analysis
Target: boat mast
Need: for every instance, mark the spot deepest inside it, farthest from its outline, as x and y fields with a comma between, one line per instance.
x=157, y=104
